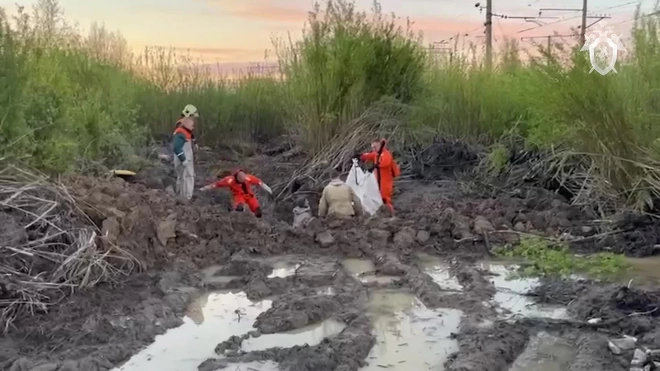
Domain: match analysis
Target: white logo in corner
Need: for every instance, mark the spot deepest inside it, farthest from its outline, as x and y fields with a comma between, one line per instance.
x=603, y=46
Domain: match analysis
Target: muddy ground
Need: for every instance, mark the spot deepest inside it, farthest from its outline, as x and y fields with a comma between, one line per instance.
x=175, y=240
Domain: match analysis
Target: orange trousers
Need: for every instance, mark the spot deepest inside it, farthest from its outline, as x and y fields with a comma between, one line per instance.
x=386, y=193
x=249, y=200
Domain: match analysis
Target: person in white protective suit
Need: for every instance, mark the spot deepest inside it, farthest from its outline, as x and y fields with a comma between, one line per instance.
x=183, y=152
x=338, y=199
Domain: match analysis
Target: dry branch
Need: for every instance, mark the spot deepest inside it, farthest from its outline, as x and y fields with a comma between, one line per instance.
x=48, y=246
x=380, y=120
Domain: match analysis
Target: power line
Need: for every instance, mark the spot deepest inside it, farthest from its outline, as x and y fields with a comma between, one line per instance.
x=636, y=18
x=579, y=16
x=489, y=27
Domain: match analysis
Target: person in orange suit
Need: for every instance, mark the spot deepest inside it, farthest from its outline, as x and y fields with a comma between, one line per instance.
x=386, y=170
x=240, y=184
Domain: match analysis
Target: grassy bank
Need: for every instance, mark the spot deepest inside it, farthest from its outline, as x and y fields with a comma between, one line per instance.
x=66, y=96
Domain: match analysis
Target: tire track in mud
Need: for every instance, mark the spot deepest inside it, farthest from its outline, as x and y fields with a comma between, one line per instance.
x=300, y=304
x=485, y=343
x=481, y=347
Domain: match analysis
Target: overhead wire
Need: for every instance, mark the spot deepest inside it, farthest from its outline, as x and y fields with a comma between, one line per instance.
x=579, y=16
x=657, y=12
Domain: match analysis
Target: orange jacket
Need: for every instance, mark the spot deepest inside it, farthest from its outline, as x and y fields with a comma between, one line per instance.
x=384, y=168
x=239, y=189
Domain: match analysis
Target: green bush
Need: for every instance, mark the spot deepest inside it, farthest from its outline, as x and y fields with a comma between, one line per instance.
x=347, y=61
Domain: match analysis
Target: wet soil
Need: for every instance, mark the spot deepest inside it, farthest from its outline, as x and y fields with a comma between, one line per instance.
x=175, y=241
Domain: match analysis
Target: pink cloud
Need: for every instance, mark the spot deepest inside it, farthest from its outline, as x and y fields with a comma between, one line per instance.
x=265, y=11
x=207, y=54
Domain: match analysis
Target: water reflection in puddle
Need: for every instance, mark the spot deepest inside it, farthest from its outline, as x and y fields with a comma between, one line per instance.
x=364, y=271
x=441, y=276
x=358, y=267
x=545, y=352
x=310, y=335
x=219, y=316
x=283, y=270
x=510, y=293
x=644, y=272
x=381, y=280
x=251, y=366
x=212, y=319
x=209, y=277
x=409, y=336
x=439, y=272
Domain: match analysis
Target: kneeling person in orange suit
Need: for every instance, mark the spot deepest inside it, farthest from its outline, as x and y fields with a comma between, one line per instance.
x=386, y=170
x=240, y=184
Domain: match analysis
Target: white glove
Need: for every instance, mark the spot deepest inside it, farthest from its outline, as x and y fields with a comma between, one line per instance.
x=206, y=188
x=266, y=188
x=185, y=163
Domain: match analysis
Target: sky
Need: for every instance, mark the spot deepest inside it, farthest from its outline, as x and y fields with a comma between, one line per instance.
x=239, y=31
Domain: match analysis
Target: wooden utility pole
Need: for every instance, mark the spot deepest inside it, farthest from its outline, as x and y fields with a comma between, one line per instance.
x=489, y=34
x=583, y=29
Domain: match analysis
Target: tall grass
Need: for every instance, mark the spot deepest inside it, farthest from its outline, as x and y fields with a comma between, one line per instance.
x=67, y=97
x=346, y=61
x=68, y=100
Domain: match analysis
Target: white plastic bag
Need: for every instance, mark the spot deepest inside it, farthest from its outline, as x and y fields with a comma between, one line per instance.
x=365, y=186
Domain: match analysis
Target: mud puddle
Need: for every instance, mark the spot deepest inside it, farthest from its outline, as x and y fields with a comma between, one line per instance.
x=211, y=320
x=310, y=335
x=209, y=277
x=439, y=272
x=409, y=336
x=284, y=269
x=364, y=270
x=251, y=366
x=546, y=352
x=510, y=293
x=643, y=272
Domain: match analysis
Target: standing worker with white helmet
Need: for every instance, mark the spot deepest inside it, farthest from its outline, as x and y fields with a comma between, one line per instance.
x=183, y=143
x=189, y=111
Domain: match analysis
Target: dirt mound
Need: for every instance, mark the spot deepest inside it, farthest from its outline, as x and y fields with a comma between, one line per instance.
x=159, y=229
x=620, y=309
x=443, y=158
x=49, y=247
x=631, y=233
x=99, y=328
x=488, y=349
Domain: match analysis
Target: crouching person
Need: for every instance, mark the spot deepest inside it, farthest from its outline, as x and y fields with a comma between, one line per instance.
x=302, y=213
x=240, y=184
x=338, y=199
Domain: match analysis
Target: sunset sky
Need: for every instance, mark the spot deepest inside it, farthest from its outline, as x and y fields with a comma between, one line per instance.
x=240, y=30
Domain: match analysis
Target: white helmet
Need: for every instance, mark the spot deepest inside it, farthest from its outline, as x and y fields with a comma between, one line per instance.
x=190, y=111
